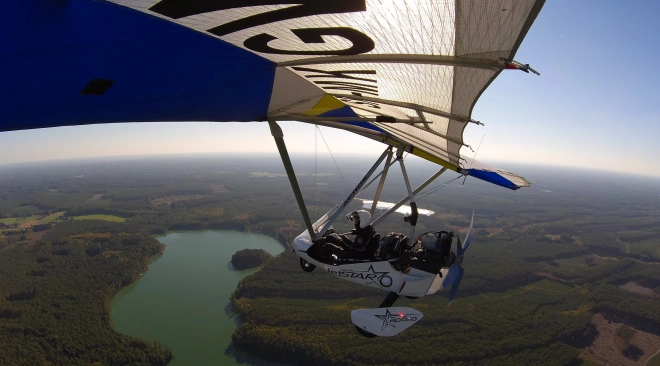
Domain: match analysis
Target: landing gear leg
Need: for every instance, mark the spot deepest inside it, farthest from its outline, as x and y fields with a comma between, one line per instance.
x=391, y=298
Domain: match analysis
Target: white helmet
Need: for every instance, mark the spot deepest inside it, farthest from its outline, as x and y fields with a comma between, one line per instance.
x=362, y=216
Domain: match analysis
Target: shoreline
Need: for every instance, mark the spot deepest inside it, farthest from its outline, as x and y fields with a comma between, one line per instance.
x=231, y=312
x=162, y=251
x=109, y=303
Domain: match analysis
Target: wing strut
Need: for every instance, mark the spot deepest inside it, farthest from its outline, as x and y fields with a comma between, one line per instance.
x=405, y=199
x=276, y=131
x=412, y=218
x=380, y=184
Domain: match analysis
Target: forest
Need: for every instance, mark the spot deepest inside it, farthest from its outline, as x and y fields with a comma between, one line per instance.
x=54, y=307
x=544, y=262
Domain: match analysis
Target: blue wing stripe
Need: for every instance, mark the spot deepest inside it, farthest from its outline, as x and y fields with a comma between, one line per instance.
x=161, y=71
x=492, y=177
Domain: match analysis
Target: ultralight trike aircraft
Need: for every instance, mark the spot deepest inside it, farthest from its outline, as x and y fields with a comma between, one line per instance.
x=394, y=263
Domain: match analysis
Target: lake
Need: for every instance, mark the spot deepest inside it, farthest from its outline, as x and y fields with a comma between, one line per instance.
x=182, y=301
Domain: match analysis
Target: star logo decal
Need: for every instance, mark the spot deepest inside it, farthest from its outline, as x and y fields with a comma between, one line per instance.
x=375, y=277
x=386, y=319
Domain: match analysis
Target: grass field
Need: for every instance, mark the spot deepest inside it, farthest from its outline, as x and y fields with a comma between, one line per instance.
x=51, y=218
x=100, y=217
x=18, y=220
x=9, y=221
x=26, y=222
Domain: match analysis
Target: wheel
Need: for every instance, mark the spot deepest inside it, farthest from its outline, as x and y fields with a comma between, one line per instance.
x=364, y=333
x=306, y=266
x=412, y=297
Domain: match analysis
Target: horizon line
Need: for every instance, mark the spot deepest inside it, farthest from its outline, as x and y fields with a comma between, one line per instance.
x=298, y=153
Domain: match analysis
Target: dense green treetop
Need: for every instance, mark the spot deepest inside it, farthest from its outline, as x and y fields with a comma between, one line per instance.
x=250, y=258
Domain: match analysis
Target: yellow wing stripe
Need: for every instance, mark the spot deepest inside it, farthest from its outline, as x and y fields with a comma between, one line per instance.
x=325, y=104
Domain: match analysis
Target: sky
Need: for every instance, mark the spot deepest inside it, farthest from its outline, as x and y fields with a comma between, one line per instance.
x=595, y=105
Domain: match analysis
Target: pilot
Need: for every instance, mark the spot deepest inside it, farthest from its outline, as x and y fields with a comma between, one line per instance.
x=366, y=239
x=364, y=245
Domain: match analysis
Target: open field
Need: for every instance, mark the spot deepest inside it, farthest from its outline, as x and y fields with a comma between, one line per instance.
x=46, y=220
x=100, y=217
x=610, y=349
x=26, y=222
x=633, y=287
x=18, y=220
x=171, y=199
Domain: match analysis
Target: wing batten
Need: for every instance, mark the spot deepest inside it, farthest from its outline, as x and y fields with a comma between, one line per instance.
x=487, y=64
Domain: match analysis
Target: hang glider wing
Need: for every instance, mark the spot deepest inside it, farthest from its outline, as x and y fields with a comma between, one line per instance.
x=402, y=72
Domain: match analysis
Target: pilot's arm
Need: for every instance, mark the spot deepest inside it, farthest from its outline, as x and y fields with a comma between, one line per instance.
x=346, y=241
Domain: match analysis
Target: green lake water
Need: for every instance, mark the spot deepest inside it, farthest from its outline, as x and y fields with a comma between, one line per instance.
x=182, y=301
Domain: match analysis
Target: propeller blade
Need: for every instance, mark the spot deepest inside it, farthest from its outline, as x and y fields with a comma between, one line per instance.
x=469, y=235
x=454, y=286
x=451, y=276
x=459, y=246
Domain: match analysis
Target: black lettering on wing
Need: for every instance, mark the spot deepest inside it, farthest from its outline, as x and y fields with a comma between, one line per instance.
x=361, y=42
x=176, y=9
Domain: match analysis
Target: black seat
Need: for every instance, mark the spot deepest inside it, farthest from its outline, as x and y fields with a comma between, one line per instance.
x=372, y=246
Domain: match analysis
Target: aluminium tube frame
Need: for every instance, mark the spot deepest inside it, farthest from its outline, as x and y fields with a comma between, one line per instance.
x=414, y=214
x=372, y=211
x=356, y=190
x=405, y=199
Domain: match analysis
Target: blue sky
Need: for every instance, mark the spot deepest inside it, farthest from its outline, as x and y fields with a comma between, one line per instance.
x=595, y=105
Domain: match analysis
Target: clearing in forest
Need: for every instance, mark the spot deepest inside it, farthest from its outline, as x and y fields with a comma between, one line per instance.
x=634, y=287
x=620, y=345
x=170, y=199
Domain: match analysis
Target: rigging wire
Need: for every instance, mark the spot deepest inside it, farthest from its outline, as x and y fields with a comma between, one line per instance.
x=479, y=147
x=316, y=195
x=475, y=156
x=434, y=189
x=333, y=157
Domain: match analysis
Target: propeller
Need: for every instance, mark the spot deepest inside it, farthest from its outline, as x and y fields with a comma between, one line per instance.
x=455, y=274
